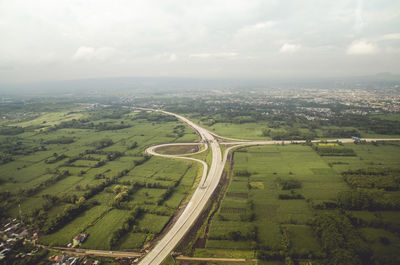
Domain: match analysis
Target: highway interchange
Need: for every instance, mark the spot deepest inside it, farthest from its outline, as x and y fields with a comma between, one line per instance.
x=208, y=184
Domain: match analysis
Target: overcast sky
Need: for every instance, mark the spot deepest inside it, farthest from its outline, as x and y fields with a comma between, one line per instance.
x=60, y=39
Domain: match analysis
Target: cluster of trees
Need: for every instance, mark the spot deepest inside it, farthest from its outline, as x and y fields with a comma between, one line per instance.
x=237, y=235
x=111, y=112
x=225, y=110
x=15, y=146
x=289, y=134
x=69, y=213
x=114, y=155
x=5, y=158
x=73, y=124
x=341, y=133
x=100, y=144
x=292, y=196
x=126, y=226
x=133, y=145
x=55, y=158
x=381, y=178
x=288, y=184
x=324, y=205
x=166, y=195
x=179, y=130
x=367, y=199
x=333, y=151
x=60, y=140
x=243, y=119
x=11, y=130
x=106, y=126
x=142, y=160
x=87, y=124
x=95, y=189
x=155, y=117
x=38, y=216
x=340, y=240
x=242, y=173
x=122, y=194
x=380, y=126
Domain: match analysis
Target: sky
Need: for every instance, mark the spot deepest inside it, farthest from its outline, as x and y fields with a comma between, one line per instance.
x=71, y=39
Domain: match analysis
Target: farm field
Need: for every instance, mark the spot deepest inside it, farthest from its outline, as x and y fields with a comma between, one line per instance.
x=277, y=194
x=251, y=129
x=85, y=171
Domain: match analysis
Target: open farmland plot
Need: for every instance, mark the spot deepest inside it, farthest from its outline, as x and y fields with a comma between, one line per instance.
x=283, y=190
x=252, y=198
x=100, y=233
x=88, y=173
x=79, y=225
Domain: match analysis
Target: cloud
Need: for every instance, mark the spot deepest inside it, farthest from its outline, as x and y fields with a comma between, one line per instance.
x=85, y=53
x=261, y=25
x=172, y=57
x=213, y=55
x=358, y=21
x=360, y=47
x=392, y=36
x=186, y=38
x=289, y=48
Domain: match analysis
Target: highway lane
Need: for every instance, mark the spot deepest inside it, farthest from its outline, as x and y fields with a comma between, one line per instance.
x=196, y=203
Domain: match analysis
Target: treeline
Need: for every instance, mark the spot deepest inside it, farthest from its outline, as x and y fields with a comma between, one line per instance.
x=368, y=199
x=106, y=126
x=333, y=151
x=242, y=173
x=380, y=126
x=100, y=144
x=69, y=213
x=60, y=140
x=122, y=194
x=340, y=133
x=16, y=146
x=340, y=240
x=289, y=134
x=179, y=130
x=288, y=184
x=33, y=190
x=55, y=158
x=286, y=112
x=38, y=217
x=87, y=124
x=5, y=158
x=112, y=112
x=154, y=117
x=250, y=235
x=11, y=130
x=126, y=226
x=381, y=178
x=291, y=196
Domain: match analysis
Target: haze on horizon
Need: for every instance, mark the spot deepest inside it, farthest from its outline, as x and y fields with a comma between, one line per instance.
x=64, y=39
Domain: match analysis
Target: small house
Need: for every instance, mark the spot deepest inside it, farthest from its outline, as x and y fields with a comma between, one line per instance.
x=79, y=239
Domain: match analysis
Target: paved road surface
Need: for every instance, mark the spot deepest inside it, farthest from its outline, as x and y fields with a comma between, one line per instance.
x=196, y=203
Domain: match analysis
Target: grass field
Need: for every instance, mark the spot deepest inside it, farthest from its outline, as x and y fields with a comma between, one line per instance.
x=252, y=198
x=96, y=161
x=178, y=150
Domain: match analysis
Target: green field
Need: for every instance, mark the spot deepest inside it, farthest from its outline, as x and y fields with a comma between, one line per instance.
x=252, y=215
x=93, y=160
